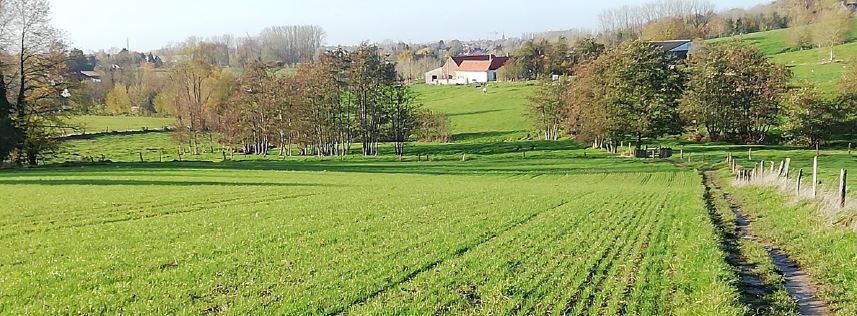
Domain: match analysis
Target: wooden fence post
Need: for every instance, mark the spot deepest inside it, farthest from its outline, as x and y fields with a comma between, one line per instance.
x=817, y=149
x=843, y=178
x=160, y=155
x=782, y=165
x=224, y=154
x=750, y=153
x=815, y=177
x=682, y=153
x=464, y=156
x=849, y=149
x=141, y=157
x=799, y=179
x=788, y=167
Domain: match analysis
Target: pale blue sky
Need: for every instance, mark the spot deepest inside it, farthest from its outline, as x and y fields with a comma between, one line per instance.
x=103, y=24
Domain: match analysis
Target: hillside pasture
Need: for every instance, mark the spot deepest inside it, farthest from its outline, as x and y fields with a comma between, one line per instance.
x=98, y=124
x=499, y=115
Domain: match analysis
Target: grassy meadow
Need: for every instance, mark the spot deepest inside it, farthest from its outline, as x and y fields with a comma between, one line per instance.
x=559, y=232
x=499, y=115
x=808, y=65
x=98, y=124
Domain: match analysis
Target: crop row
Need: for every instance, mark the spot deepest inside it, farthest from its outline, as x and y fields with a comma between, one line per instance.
x=245, y=241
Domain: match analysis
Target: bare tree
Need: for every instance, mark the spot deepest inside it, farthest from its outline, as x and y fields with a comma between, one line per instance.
x=627, y=22
x=290, y=44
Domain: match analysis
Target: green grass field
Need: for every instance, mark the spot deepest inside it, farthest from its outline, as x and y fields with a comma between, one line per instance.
x=499, y=115
x=556, y=232
x=97, y=124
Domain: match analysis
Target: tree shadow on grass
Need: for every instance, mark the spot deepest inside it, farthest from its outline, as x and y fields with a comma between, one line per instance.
x=559, y=164
x=108, y=182
x=471, y=137
x=503, y=158
x=472, y=113
x=491, y=148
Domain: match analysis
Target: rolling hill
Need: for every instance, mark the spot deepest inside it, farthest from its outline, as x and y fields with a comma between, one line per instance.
x=809, y=65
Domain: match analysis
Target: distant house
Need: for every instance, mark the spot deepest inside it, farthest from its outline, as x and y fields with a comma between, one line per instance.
x=677, y=48
x=91, y=75
x=467, y=70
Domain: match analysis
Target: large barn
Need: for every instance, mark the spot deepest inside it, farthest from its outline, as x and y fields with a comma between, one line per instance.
x=467, y=70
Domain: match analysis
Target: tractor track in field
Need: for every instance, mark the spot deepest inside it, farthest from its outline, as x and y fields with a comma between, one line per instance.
x=607, y=256
x=635, y=269
x=800, y=287
x=191, y=208
x=434, y=264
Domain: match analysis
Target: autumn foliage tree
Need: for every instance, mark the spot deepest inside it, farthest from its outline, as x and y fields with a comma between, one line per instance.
x=733, y=91
x=118, y=102
x=326, y=106
x=196, y=89
x=809, y=117
x=547, y=107
x=629, y=92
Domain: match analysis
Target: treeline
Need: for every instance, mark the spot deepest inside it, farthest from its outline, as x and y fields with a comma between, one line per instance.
x=130, y=82
x=727, y=91
x=542, y=58
x=322, y=109
x=277, y=45
x=816, y=23
x=691, y=19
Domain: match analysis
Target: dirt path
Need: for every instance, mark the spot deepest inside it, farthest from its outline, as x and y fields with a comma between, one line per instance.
x=798, y=284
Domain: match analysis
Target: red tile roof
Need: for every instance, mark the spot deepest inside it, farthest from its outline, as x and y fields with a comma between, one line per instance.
x=475, y=65
x=481, y=63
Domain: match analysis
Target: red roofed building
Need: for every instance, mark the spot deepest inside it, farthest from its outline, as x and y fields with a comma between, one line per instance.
x=467, y=70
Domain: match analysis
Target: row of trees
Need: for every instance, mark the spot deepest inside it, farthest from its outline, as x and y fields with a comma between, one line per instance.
x=726, y=91
x=322, y=109
x=541, y=58
x=628, y=22
x=817, y=23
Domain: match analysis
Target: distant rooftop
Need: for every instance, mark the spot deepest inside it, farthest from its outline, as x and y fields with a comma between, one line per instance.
x=673, y=45
x=91, y=74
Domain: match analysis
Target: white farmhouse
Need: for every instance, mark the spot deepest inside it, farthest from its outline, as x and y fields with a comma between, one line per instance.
x=467, y=70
